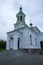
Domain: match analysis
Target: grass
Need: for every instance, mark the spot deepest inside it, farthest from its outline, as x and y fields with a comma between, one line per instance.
x=2, y=49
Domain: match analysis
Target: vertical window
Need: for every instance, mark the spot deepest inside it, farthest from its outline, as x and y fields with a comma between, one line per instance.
x=35, y=42
x=20, y=17
x=30, y=39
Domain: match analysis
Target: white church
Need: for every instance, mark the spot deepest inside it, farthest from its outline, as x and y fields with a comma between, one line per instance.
x=24, y=36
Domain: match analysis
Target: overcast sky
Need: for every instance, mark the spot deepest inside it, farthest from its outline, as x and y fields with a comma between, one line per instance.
x=33, y=10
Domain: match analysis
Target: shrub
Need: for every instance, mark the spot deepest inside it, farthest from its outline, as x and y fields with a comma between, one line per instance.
x=2, y=44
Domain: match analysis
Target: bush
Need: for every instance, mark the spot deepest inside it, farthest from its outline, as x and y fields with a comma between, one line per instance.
x=2, y=44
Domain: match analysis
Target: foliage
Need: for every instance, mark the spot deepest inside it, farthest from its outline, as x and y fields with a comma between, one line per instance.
x=3, y=44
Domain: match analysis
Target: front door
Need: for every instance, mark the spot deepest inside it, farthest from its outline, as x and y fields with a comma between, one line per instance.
x=41, y=43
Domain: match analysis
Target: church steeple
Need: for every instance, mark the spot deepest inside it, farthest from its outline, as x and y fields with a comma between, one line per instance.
x=20, y=19
x=20, y=16
x=20, y=9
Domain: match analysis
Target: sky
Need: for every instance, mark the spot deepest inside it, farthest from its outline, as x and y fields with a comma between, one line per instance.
x=33, y=10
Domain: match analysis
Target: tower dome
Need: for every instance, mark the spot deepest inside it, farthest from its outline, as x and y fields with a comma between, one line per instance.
x=30, y=23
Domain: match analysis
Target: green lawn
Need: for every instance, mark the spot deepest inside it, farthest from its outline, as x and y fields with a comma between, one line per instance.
x=2, y=49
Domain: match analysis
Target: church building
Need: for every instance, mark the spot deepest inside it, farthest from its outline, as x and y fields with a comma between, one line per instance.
x=24, y=36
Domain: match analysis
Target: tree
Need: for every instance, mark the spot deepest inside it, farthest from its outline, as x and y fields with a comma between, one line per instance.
x=2, y=44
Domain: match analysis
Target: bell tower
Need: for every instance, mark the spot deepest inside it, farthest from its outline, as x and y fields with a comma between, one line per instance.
x=20, y=19
x=20, y=16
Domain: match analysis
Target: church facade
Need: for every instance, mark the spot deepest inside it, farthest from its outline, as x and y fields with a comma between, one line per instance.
x=23, y=36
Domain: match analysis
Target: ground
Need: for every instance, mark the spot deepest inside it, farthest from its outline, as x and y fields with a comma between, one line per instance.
x=19, y=57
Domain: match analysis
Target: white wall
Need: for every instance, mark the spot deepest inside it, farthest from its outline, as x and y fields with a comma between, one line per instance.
x=15, y=36
x=40, y=38
x=24, y=39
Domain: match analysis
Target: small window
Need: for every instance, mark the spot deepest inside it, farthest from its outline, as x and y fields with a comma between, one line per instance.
x=20, y=17
x=30, y=39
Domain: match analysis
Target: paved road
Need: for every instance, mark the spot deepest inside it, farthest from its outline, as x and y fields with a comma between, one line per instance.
x=19, y=58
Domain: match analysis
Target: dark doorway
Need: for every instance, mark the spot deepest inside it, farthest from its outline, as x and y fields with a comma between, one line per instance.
x=41, y=43
x=18, y=43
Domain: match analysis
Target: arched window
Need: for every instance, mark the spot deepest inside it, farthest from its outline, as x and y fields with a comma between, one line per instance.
x=20, y=17
x=35, y=42
x=30, y=39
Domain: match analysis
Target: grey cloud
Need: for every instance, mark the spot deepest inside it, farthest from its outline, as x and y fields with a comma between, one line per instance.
x=9, y=8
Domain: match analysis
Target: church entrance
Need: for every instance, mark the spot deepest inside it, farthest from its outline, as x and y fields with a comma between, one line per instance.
x=18, y=43
x=41, y=43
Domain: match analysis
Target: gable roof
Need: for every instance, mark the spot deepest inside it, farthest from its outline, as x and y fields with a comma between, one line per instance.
x=14, y=31
x=36, y=29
